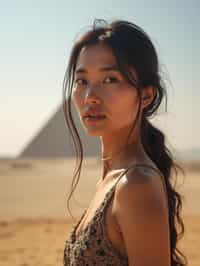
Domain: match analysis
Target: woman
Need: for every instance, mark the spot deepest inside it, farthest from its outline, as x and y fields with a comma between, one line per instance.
x=113, y=79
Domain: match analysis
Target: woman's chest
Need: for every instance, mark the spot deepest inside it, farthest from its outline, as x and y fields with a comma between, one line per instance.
x=101, y=212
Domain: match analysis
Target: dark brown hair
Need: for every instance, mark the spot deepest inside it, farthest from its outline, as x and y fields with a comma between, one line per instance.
x=131, y=46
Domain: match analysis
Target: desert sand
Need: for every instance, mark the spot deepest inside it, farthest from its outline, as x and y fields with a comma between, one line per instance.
x=34, y=221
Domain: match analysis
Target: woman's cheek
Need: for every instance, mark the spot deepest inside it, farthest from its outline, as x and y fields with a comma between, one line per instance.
x=76, y=99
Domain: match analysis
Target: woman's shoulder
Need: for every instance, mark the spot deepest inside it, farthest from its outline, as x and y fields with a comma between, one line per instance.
x=141, y=184
x=140, y=212
x=140, y=173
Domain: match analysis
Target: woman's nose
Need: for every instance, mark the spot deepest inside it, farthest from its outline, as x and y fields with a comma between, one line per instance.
x=91, y=96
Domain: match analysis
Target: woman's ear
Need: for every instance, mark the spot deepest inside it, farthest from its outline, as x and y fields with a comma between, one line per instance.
x=148, y=94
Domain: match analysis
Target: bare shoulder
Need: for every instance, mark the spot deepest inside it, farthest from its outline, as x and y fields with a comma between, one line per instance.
x=141, y=185
x=141, y=213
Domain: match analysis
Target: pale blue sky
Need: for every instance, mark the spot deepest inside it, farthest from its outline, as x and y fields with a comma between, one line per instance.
x=36, y=37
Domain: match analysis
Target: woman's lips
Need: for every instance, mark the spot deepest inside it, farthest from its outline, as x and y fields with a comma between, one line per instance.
x=94, y=119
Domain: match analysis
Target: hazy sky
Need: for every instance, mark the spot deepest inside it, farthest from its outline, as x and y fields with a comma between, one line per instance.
x=35, y=40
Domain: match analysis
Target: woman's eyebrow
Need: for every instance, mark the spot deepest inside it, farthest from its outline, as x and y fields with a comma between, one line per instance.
x=105, y=68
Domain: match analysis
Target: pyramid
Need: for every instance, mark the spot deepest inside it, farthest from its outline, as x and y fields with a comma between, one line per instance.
x=54, y=139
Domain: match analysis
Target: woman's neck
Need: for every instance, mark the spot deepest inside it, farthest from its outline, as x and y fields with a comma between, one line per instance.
x=121, y=158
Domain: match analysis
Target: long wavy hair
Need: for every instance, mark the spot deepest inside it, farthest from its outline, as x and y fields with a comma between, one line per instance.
x=132, y=47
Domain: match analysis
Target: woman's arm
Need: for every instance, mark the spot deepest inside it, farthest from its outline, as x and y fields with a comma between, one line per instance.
x=141, y=212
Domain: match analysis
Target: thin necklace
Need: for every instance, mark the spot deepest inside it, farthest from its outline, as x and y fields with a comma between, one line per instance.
x=106, y=158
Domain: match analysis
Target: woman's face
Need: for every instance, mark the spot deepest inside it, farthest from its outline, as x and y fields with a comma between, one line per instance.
x=99, y=86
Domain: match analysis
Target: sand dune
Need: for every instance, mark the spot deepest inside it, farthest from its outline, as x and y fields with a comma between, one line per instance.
x=34, y=222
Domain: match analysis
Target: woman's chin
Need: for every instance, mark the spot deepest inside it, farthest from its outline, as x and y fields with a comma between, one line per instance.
x=95, y=133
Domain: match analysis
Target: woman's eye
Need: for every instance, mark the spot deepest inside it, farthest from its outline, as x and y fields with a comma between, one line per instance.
x=110, y=79
x=80, y=81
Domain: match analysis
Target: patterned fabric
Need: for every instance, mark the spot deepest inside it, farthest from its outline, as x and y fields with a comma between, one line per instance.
x=92, y=245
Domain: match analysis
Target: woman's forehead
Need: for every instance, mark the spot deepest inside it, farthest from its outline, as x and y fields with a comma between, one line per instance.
x=96, y=54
